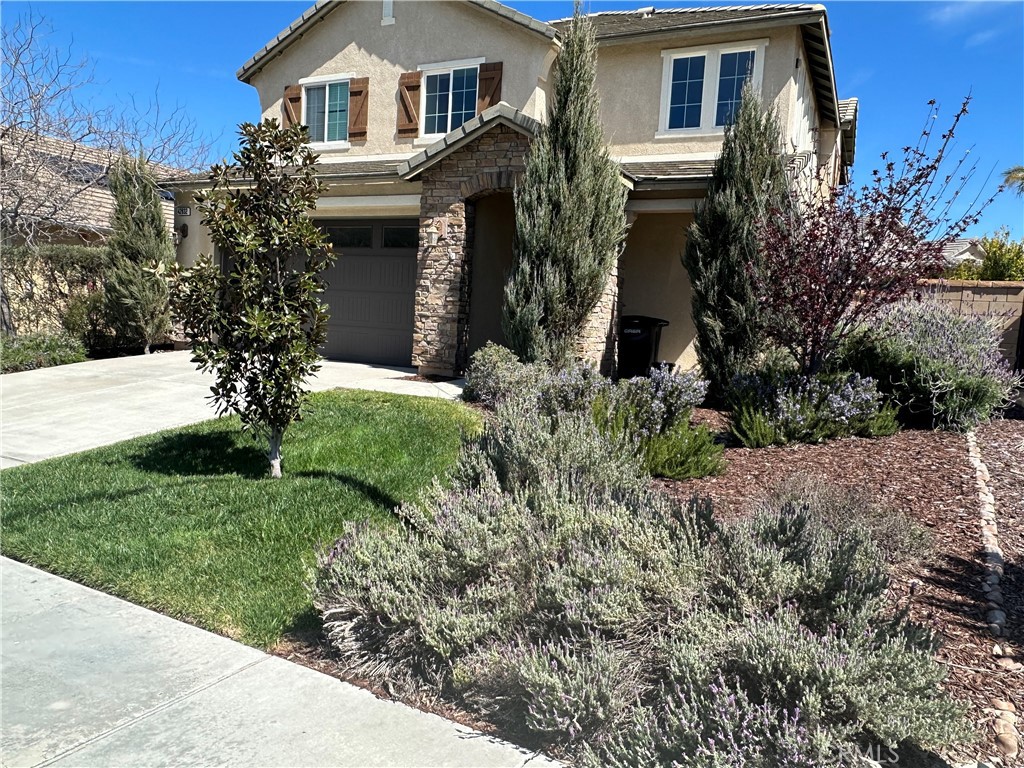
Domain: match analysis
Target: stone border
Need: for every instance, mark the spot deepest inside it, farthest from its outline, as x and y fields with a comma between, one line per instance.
x=1005, y=724
x=995, y=615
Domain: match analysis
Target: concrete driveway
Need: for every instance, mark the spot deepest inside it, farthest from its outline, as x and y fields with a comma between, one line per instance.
x=71, y=408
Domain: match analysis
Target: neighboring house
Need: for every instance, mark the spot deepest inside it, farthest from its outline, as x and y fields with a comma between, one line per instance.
x=962, y=249
x=57, y=190
x=422, y=114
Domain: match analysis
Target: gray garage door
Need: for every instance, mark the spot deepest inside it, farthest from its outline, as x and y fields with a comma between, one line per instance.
x=371, y=290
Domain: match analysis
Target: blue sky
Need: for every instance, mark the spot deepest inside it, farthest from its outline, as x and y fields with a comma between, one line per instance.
x=894, y=56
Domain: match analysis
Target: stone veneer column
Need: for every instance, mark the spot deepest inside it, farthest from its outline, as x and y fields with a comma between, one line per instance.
x=487, y=164
x=599, y=341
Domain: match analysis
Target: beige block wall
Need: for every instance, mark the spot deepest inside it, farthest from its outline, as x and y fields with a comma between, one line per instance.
x=351, y=39
x=629, y=79
x=1003, y=301
x=654, y=282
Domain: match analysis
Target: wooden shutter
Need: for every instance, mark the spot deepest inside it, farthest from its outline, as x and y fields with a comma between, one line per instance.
x=291, y=106
x=489, y=86
x=409, y=104
x=358, y=104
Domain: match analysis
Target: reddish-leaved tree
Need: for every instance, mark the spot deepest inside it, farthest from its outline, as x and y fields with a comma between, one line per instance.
x=838, y=256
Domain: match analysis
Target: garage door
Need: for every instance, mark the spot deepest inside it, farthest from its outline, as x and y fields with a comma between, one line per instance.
x=371, y=290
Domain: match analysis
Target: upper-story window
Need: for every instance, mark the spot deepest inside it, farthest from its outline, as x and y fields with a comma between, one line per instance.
x=701, y=87
x=449, y=95
x=326, y=108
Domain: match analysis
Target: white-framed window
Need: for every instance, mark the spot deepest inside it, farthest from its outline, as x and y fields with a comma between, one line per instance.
x=448, y=96
x=701, y=87
x=325, y=109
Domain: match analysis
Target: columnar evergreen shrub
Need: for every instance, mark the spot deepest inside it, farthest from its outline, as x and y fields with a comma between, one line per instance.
x=943, y=368
x=136, y=292
x=721, y=252
x=570, y=214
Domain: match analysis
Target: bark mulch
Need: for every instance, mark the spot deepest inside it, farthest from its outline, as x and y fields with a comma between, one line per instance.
x=927, y=476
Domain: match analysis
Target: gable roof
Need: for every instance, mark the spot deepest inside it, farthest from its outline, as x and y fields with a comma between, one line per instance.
x=501, y=113
x=616, y=26
x=609, y=25
x=322, y=8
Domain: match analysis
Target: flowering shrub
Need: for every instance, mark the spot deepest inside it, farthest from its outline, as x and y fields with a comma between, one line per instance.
x=774, y=409
x=943, y=368
x=549, y=588
x=648, y=417
x=495, y=372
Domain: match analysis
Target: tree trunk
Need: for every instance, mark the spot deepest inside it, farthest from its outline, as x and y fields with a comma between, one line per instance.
x=274, y=454
x=146, y=349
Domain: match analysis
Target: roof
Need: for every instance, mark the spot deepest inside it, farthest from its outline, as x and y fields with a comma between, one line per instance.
x=609, y=25
x=86, y=203
x=500, y=113
x=848, y=110
x=961, y=249
x=322, y=8
x=682, y=170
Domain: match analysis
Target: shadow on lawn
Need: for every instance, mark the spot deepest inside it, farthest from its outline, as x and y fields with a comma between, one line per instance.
x=370, y=491
x=216, y=453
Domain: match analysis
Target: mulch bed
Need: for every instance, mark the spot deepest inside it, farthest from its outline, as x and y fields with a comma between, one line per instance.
x=927, y=476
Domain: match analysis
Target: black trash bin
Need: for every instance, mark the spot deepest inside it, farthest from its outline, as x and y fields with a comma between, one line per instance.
x=638, y=344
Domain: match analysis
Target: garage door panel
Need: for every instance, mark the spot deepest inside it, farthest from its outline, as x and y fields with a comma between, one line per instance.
x=371, y=309
x=371, y=301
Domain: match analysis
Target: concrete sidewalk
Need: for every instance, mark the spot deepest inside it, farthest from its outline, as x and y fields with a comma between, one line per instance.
x=90, y=680
x=71, y=408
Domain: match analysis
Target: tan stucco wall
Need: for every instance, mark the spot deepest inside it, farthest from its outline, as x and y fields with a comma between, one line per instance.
x=198, y=242
x=351, y=39
x=493, y=232
x=654, y=281
x=629, y=79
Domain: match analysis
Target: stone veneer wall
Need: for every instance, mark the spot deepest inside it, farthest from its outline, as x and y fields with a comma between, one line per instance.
x=599, y=342
x=489, y=163
x=1004, y=300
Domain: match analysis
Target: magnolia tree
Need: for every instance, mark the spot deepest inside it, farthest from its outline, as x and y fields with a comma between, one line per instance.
x=830, y=262
x=570, y=214
x=258, y=322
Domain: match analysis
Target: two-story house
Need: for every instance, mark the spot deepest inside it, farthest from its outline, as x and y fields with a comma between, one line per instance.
x=422, y=113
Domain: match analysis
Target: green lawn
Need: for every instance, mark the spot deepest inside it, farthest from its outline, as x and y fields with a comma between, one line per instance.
x=186, y=522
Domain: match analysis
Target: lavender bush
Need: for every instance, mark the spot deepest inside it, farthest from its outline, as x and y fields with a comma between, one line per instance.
x=774, y=409
x=547, y=586
x=943, y=368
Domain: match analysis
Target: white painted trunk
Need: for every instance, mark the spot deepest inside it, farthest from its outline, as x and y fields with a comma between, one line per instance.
x=274, y=454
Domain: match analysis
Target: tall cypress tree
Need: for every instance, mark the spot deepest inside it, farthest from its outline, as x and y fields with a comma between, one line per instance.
x=136, y=293
x=749, y=180
x=570, y=214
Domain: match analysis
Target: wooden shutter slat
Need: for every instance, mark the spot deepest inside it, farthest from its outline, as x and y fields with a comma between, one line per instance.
x=488, y=86
x=358, y=107
x=291, y=106
x=409, y=104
